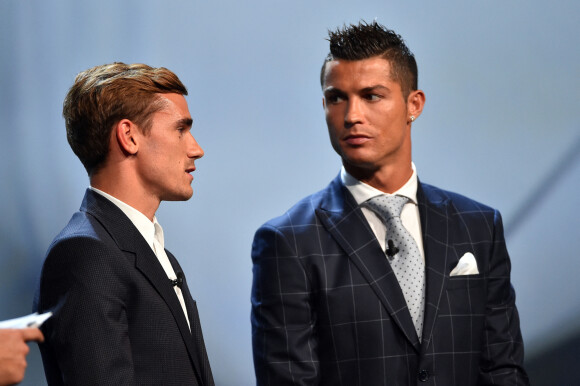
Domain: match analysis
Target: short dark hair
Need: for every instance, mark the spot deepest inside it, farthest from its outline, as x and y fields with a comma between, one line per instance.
x=363, y=41
x=103, y=95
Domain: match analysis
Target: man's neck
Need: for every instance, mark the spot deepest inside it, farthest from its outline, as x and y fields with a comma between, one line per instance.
x=387, y=179
x=130, y=194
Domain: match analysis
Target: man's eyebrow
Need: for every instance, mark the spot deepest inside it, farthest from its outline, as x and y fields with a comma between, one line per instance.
x=185, y=122
x=375, y=87
x=334, y=90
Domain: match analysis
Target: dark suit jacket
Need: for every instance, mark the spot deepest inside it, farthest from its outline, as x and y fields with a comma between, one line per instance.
x=327, y=308
x=117, y=319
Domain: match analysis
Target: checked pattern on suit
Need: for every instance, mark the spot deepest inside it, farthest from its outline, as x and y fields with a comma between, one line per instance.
x=327, y=307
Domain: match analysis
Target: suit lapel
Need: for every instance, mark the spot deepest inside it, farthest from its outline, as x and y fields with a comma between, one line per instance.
x=130, y=240
x=434, y=213
x=149, y=265
x=195, y=342
x=344, y=220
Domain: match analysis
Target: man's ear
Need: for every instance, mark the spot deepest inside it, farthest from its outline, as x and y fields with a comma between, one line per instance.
x=127, y=133
x=415, y=103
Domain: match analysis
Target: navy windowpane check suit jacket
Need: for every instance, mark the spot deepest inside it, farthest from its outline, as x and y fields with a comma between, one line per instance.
x=327, y=308
x=117, y=319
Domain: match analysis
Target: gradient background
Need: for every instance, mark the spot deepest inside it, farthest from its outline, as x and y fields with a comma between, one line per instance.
x=502, y=81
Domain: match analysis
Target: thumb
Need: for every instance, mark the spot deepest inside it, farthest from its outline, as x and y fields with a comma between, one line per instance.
x=29, y=334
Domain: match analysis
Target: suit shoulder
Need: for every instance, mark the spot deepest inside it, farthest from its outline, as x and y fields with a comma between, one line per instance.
x=83, y=252
x=460, y=202
x=81, y=226
x=301, y=213
x=83, y=240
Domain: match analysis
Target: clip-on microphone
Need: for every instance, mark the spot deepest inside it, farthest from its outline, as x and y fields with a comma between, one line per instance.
x=391, y=249
x=179, y=281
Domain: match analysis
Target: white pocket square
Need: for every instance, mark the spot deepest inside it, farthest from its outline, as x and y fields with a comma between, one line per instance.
x=466, y=266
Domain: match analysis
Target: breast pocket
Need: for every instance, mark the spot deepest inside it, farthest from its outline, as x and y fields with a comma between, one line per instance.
x=466, y=295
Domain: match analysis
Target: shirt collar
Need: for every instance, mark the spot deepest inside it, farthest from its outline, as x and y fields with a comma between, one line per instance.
x=149, y=230
x=363, y=192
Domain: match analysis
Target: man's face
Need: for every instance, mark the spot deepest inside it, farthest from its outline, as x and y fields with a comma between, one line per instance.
x=167, y=153
x=367, y=116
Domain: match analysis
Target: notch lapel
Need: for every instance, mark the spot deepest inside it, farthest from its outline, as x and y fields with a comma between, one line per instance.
x=434, y=214
x=344, y=220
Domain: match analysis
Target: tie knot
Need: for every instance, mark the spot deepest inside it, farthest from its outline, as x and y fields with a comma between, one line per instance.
x=387, y=206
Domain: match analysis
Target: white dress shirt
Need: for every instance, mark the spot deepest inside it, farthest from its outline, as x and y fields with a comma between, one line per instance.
x=409, y=215
x=153, y=235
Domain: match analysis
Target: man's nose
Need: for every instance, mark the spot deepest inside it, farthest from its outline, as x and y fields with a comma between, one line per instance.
x=194, y=151
x=353, y=113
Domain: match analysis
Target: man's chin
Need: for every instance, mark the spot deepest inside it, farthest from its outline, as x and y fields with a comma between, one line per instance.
x=359, y=165
x=182, y=196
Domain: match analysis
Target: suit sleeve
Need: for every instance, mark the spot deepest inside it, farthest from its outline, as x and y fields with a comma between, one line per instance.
x=503, y=351
x=85, y=283
x=283, y=319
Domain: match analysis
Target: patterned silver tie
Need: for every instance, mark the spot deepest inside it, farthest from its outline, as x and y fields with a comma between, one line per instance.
x=403, y=254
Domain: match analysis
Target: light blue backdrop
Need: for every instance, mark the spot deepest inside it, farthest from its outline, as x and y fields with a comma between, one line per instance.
x=500, y=125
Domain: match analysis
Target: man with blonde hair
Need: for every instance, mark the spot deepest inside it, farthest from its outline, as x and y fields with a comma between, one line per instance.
x=123, y=314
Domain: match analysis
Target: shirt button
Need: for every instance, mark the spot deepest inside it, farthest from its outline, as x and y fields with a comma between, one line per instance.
x=423, y=375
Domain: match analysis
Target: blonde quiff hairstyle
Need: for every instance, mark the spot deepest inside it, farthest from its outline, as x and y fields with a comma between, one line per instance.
x=103, y=95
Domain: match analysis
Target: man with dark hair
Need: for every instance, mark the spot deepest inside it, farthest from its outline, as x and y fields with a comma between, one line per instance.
x=122, y=310
x=380, y=279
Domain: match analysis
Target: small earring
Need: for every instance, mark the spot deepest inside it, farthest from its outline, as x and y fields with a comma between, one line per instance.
x=412, y=118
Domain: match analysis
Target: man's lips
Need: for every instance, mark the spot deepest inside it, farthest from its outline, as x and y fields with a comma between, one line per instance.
x=356, y=139
x=190, y=171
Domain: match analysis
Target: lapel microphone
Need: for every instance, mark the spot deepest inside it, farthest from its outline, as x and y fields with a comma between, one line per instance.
x=179, y=281
x=391, y=249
